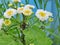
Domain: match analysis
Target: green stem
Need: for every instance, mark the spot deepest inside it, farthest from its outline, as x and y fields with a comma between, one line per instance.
x=59, y=16
x=22, y=34
x=57, y=5
x=40, y=2
x=18, y=32
x=22, y=38
x=43, y=25
x=45, y=4
x=26, y=1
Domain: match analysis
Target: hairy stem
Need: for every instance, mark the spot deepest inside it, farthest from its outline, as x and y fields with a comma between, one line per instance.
x=23, y=28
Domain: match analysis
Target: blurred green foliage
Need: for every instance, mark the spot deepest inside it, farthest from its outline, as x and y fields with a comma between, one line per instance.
x=33, y=33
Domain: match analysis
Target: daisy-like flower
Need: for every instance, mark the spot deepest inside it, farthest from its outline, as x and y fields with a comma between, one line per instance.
x=48, y=13
x=42, y=15
x=7, y=22
x=27, y=12
x=29, y=6
x=20, y=10
x=1, y=22
x=16, y=0
x=9, y=13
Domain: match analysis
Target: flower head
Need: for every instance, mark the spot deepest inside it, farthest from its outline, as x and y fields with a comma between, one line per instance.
x=29, y=6
x=48, y=13
x=7, y=22
x=42, y=15
x=1, y=22
x=27, y=12
x=9, y=13
x=20, y=10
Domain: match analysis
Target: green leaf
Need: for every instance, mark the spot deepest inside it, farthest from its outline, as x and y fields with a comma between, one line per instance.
x=36, y=3
x=7, y=39
x=36, y=36
x=57, y=3
x=27, y=2
x=18, y=17
x=40, y=2
x=45, y=4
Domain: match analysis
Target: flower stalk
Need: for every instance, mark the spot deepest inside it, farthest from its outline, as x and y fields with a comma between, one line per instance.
x=23, y=26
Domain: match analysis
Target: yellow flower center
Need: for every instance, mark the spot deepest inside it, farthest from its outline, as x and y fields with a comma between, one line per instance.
x=42, y=14
x=9, y=13
x=7, y=22
x=27, y=11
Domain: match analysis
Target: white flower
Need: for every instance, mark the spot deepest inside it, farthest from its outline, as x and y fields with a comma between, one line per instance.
x=16, y=0
x=27, y=12
x=20, y=10
x=9, y=13
x=29, y=6
x=1, y=22
x=49, y=13
x=42, y=15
